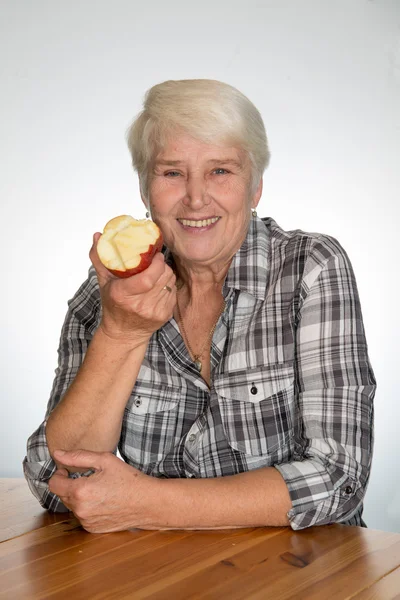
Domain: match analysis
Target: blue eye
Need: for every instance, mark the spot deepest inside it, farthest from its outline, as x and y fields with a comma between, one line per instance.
x=171, y=174
x=220, y=171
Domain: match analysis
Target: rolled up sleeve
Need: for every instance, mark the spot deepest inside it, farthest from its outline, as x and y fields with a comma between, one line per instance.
x=80, y=323
x=335, y=390
x=38, y=468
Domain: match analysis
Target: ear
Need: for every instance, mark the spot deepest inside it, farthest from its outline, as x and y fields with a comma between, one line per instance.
x=257, y=194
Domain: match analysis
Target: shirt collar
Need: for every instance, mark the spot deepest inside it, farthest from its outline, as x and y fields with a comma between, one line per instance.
x=248, y=271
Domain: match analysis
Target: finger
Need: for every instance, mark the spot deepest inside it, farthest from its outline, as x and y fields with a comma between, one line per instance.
x=103, y=274
x=60, y=485
x=155, y=270
x=166, y=298
x=80, y=458
x=167, y=279
x=62, y=472
x=146, y=280
x=168, y=289
x=168, y=305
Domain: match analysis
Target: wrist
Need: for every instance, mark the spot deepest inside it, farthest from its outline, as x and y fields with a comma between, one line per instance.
x=145, y=501
x=122, y=340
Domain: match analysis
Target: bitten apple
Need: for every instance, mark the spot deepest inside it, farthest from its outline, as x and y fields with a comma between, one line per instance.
x=127, y=245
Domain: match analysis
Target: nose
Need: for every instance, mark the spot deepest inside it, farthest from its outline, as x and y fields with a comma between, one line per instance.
x=196, y=195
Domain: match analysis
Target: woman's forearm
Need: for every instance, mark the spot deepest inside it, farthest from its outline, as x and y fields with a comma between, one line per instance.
x=251, y=499
x=90, y=414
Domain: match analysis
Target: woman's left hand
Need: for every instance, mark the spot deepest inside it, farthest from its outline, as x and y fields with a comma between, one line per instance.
x=115, y=498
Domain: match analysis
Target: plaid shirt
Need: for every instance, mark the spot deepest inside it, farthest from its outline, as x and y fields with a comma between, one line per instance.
x=292, y=386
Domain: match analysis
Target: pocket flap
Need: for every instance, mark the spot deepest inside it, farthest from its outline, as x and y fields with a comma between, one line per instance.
x=255, y=384
x=147, y=399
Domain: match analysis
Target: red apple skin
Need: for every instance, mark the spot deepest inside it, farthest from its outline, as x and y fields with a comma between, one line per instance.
x=145, y=260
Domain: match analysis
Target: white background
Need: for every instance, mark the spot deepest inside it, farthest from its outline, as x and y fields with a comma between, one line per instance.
x=325, y=76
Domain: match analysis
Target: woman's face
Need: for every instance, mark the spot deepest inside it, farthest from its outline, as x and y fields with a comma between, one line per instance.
x=200, y=197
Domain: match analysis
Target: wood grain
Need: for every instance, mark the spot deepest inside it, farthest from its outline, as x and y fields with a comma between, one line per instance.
x=388, y=587
x=20, y=512
x=60, y=560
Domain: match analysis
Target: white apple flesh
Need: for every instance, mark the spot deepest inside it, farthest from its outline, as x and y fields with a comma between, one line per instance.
x=127, y=245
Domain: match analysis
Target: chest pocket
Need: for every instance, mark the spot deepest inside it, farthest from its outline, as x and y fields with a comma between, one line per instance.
x=257, y=409
x=148, y=400
x=149, y=424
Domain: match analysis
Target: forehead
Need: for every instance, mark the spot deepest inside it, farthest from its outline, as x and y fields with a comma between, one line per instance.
x=184, y=147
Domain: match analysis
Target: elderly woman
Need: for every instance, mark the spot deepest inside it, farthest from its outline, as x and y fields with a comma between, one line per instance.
x=232, y=374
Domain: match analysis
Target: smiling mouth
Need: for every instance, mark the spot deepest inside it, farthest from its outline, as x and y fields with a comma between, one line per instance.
x=200, y=223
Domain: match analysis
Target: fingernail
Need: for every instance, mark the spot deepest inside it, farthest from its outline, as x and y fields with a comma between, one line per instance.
x=59, y=452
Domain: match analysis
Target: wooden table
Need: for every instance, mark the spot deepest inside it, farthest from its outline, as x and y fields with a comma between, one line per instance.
x=50, y=556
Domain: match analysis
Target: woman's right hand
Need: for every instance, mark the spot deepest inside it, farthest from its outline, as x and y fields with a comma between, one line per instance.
x=135, y=307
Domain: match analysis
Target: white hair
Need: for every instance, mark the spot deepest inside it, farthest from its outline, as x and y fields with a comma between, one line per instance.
x=208, y=110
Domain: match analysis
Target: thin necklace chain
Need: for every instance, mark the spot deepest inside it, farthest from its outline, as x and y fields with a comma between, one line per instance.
x=196, y=357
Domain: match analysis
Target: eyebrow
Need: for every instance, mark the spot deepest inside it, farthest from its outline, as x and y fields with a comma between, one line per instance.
x=226, y=161
x=174, y=163
x=214, y=161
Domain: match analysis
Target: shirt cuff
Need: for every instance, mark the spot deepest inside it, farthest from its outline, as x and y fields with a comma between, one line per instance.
x=37, y=475
x=318, y=497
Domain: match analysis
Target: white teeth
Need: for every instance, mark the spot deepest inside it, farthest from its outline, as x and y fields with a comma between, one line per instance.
x=203, y=223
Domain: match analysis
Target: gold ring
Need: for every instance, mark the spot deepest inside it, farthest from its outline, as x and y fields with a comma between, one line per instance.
x=166, y=287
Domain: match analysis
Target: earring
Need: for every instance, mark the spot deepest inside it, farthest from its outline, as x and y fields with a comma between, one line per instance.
x=147, y=214
x=253, y=212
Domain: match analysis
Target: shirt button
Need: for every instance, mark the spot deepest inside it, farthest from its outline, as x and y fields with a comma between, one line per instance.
x=192, y=438
x=348, y=490
x=253, y=390
x=138, y=402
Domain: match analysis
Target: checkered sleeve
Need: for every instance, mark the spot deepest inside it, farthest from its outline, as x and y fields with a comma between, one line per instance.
x=80, y=323
x=335, y=390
